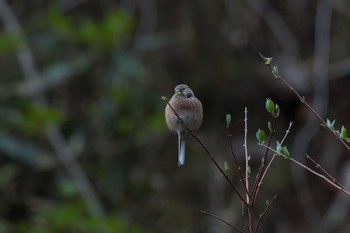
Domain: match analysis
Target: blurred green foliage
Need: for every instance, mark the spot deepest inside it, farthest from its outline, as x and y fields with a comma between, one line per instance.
x=102, y=34
x=36, y=118
x=102, y=68
x=6, y=43
x=72, y=217
x=68, y=47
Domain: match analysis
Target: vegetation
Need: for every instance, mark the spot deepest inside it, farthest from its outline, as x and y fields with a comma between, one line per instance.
x=83, y=141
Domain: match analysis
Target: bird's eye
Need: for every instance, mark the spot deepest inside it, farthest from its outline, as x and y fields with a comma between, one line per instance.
x=188, y=95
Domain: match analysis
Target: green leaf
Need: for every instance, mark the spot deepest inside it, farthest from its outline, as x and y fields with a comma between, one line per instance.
x=278, y=147
x=285, y=152
x=343, y=133
x=228, y=120
x=260, y=135
x=282, y=149
x=226, y=168
x=330, y=124
x=269, y=126
x=178, y=93
x=249, y=171
x=275, y=71
x=333, y=123
x=268, y=60
x=164, y=98
x=277, y=111
x=270, y=106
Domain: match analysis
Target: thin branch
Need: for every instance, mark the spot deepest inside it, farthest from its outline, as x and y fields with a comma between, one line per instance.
x=287, y=132
x=267, y=168
x=264, y=212
x=245, y=145
x=211, y=158
x=303, y=101
x=331, y=182
x=317, y=165
x=221, y=220
x=247, y=171
x=274, y=156
x=229, y=139
x=262, y=168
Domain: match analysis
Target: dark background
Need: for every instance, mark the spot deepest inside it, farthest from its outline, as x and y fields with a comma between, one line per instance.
x=83, y=142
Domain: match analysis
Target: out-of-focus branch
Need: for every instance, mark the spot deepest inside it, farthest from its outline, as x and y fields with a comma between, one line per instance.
x=277, y=25
x=148, y=19
x=340, y=68
x=341, y=6
x=222, y=220
x=49, y=79
x=320, y=73
x=264, y=212
x=58, y=142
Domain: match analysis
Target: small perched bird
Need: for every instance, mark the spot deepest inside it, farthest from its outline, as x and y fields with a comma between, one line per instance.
x=190, y=111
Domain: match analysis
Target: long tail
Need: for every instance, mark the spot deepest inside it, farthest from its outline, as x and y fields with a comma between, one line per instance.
x=182, y=145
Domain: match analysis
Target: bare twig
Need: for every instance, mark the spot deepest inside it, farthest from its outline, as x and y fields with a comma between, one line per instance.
x=247, y=173
x=245, y=145
x=317, y=165
x=264, y=212
x=221, y=220
x=229, y=136
x=331, y=182
x=287, y=132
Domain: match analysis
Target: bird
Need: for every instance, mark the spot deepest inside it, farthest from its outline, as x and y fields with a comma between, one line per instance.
x=189, y=112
